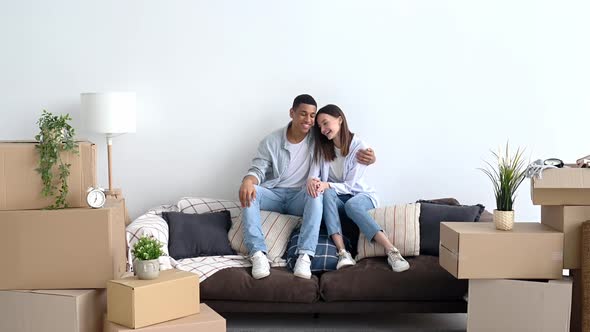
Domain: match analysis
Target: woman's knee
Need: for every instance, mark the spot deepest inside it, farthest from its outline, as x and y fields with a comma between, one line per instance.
x=351, y=207
x=330, y=193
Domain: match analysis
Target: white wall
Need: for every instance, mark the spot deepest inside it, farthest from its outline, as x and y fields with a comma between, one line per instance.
x=432, y=85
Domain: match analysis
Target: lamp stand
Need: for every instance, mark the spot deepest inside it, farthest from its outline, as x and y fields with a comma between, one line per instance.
x=111, y=192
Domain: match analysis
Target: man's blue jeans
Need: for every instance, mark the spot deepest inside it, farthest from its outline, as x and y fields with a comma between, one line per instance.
x=292, y=201
x=356, y=208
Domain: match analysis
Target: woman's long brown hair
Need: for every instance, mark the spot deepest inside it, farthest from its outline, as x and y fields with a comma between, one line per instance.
x=325, y=147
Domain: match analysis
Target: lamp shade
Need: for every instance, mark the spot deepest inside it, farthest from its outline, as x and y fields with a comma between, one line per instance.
x=109, y=112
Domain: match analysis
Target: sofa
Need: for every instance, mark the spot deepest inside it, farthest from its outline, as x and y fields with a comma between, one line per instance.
x=368, y=287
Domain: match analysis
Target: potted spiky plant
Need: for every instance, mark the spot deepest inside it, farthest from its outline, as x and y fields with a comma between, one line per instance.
x=506, y=175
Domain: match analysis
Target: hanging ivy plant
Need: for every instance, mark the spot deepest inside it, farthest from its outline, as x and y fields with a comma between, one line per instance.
x=56, y=135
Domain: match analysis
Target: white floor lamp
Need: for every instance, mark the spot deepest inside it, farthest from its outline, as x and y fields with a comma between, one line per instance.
x=112, y=114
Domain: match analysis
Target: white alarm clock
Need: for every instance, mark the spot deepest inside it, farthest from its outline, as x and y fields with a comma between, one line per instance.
x=95, y=197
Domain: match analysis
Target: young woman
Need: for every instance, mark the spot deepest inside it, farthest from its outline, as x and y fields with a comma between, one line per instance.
x=339, y=176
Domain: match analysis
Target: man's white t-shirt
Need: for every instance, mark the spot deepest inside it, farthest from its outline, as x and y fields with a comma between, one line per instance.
x=337, y=167
x=295, y=175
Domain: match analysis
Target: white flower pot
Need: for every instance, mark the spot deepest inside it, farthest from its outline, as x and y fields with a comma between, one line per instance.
x=146, y=270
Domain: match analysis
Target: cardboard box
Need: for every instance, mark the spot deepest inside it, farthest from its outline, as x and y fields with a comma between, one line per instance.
x=513, y=305
x=206, y=321
x=562, y=186
x=20, y=184
x=137, y=303
x=477, y=250
x=62, y=249
x=568, y=219
x=112, y=200
x=52, y=310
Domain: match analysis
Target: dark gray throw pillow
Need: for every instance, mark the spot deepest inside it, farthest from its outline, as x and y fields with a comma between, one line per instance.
x=196, y=235
x=431, y=215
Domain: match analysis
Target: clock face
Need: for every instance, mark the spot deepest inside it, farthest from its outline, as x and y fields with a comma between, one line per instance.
x=554, y=162
x=96, y=198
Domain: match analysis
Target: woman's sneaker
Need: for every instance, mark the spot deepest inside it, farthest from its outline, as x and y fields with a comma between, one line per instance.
x=396, y=261
x=344, y=259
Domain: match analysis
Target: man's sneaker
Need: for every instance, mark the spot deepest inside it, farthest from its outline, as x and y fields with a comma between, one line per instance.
x=303, y=267
x=344, y=259
x=396, y=261
x=260, y=266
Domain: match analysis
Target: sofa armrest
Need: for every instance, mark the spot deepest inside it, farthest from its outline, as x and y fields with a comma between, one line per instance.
x=149, y=224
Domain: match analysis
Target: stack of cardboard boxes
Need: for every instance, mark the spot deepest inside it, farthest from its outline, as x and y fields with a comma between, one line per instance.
x=495, y=260
x=57, y=263
x=564, y=196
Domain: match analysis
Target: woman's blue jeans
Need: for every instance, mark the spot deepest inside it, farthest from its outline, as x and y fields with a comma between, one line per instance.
x=356, y=208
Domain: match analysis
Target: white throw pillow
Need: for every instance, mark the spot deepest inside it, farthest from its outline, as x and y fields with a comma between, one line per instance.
x=277, y=229
x=401, y=225
x=200, y=205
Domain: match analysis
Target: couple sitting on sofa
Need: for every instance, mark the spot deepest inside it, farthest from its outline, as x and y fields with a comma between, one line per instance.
x=312, y=168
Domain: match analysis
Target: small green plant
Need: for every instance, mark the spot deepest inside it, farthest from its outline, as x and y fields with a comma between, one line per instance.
x=147, y=248
x=56, y=135
x=506, y=176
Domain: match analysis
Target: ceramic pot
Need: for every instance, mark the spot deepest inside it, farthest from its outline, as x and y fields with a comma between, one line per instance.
x=146, y=270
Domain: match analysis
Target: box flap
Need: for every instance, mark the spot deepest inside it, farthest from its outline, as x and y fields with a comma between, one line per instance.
x=563, y=178
x=449, y=237
x=63, y=292
x=165, y=276
x=448, y=260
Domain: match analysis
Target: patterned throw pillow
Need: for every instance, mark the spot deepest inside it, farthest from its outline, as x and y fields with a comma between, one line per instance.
x=206, y=205
x=276, y=227
x=401, y=226
x=326, y=253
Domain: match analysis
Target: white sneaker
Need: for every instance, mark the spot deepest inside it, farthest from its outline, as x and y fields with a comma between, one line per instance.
x=396, y=261
x=303, y=267
x=260, y=266
x=344, y=259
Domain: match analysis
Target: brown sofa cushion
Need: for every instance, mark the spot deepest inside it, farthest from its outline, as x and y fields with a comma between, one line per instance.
x=237, y=284
x=372, y=279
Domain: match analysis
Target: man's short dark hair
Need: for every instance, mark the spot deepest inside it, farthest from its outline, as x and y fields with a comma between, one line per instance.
x=304, y=99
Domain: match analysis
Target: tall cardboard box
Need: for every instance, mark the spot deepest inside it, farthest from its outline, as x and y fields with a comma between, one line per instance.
x=137, y=303
x=519, y=306
x=562, y=186
x=477, y=250
x=20, y=184
x=568, y=219
x=62, y=249
x=52, y=310
x=206, y=321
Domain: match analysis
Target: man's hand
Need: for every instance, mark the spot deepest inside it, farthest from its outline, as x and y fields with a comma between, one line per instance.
x=248, y=191
x=366, y=157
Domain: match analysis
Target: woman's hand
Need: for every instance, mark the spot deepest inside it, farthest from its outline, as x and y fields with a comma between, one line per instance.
x=312, y=187
x=321, y=187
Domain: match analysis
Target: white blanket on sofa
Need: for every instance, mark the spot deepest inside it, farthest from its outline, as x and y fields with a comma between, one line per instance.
x=152, y=224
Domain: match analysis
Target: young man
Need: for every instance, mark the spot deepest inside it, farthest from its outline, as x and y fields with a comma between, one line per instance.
x=276, y=182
